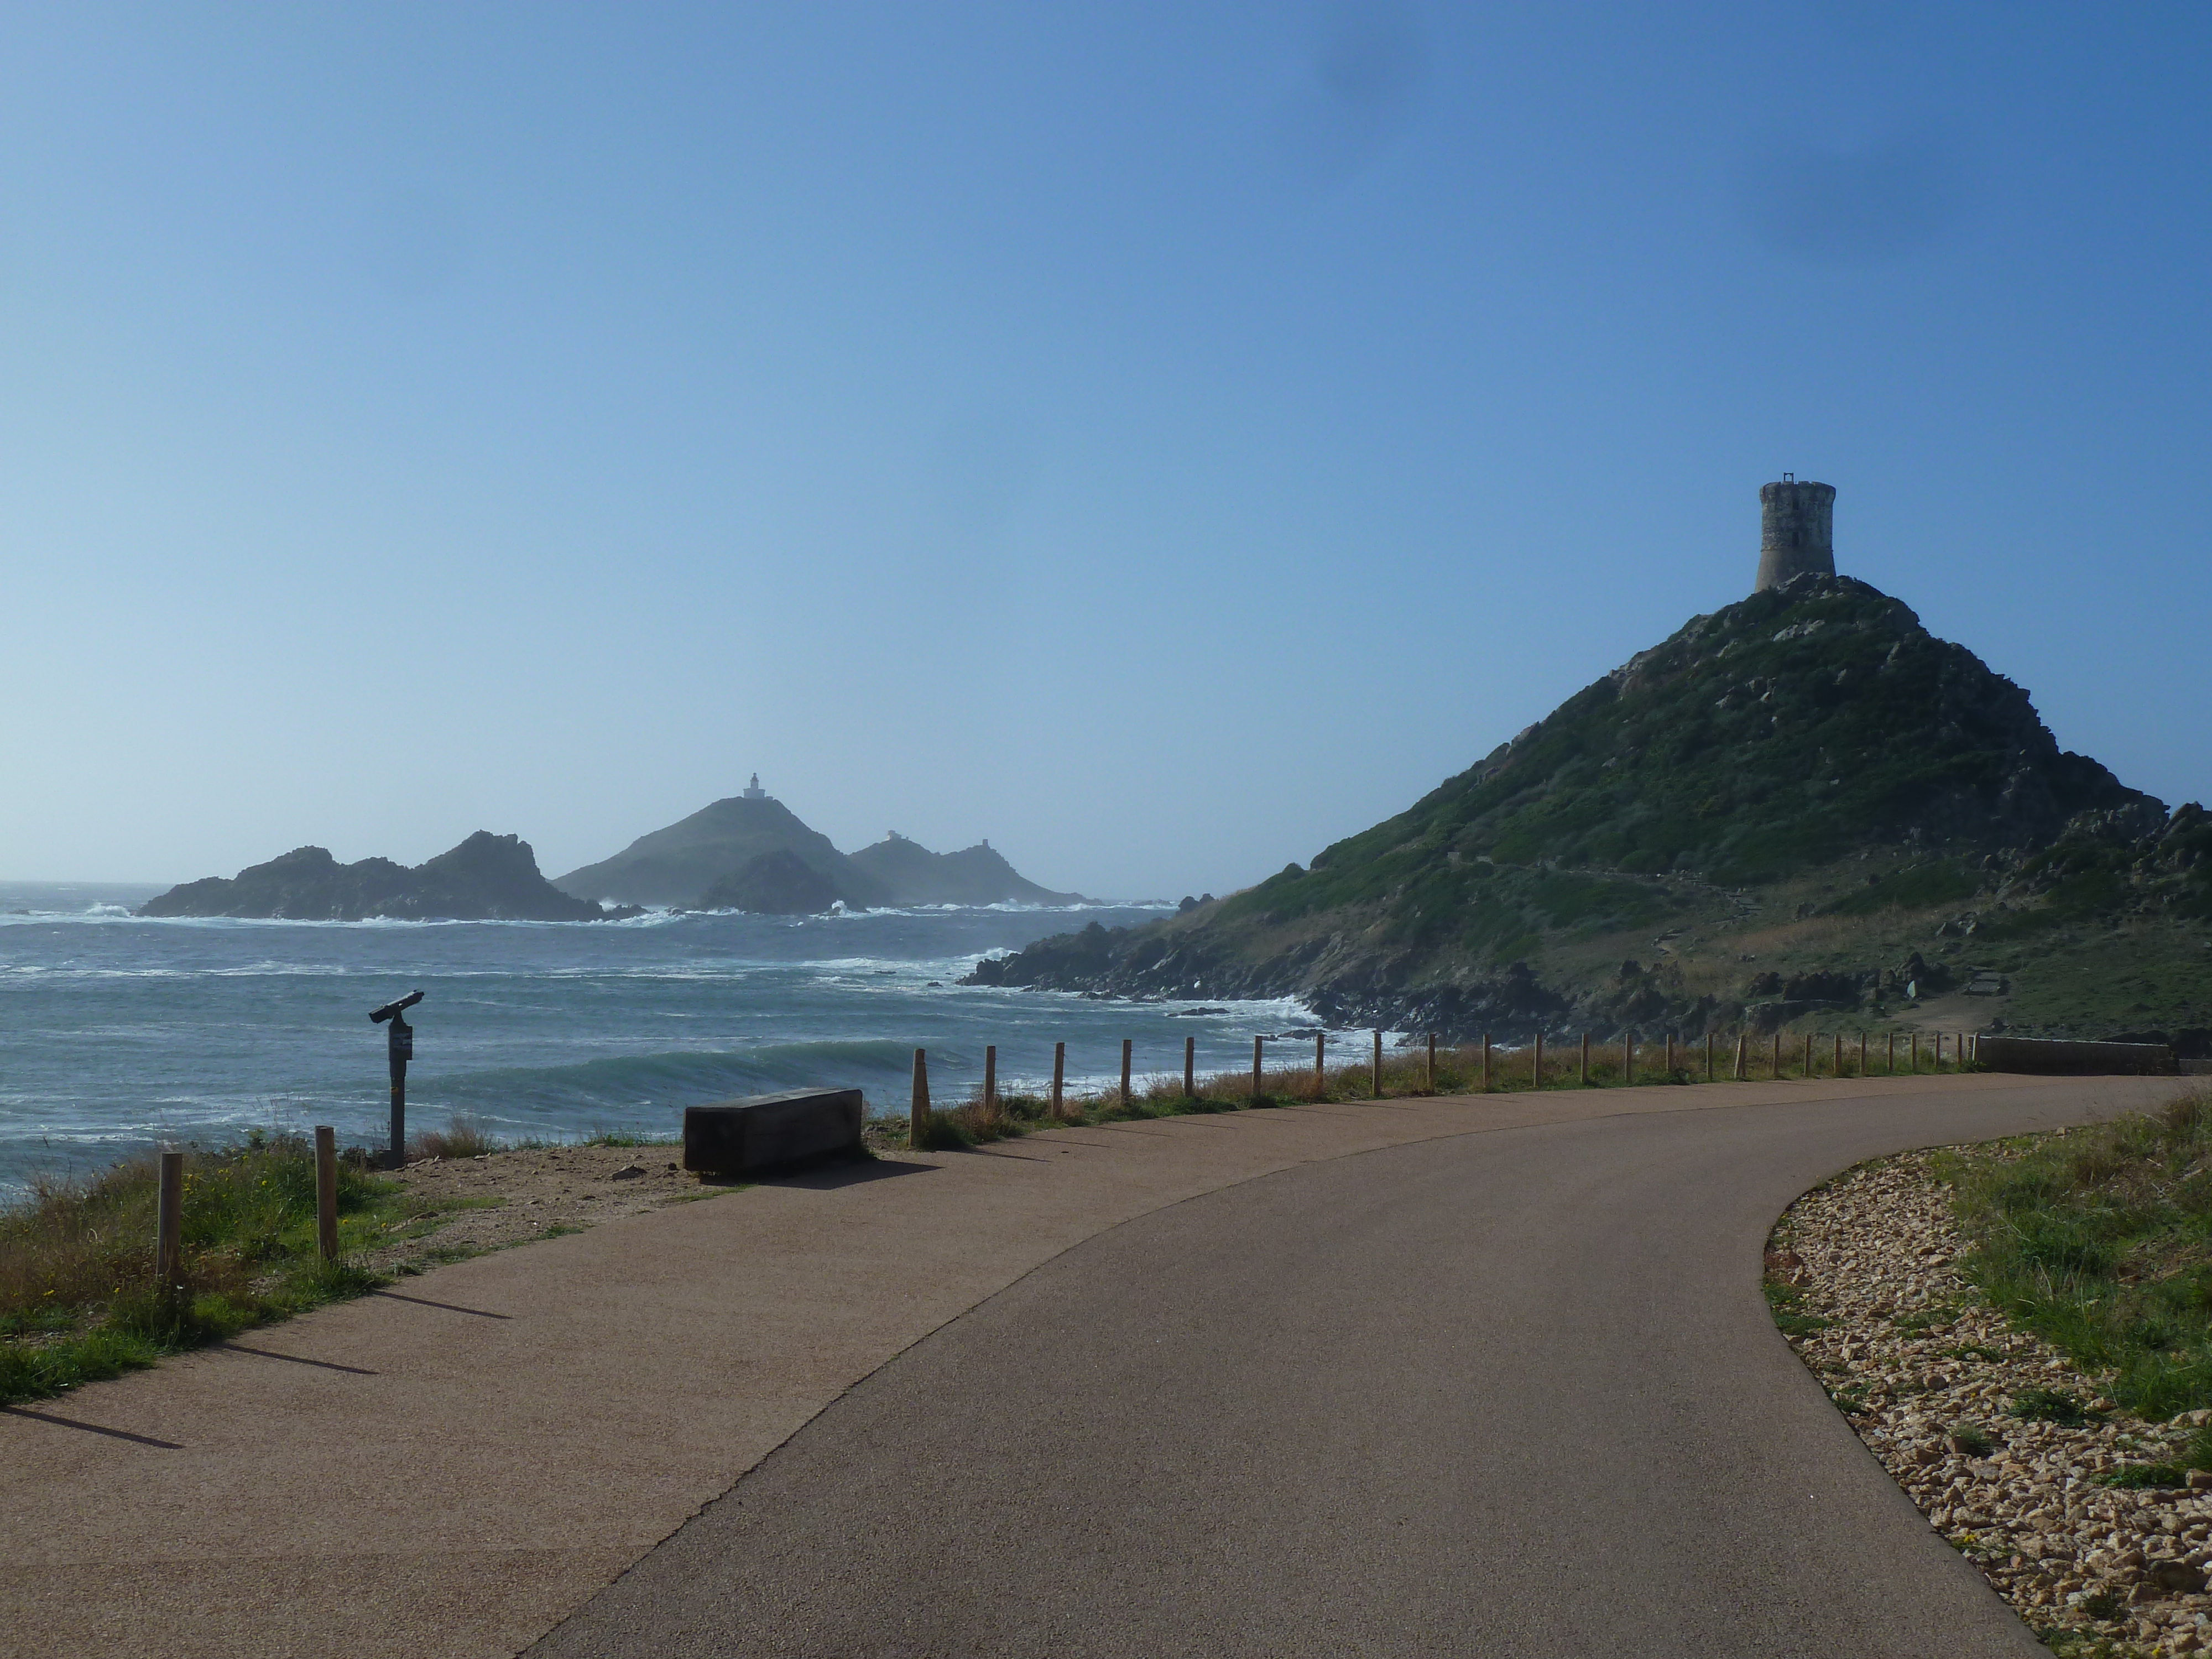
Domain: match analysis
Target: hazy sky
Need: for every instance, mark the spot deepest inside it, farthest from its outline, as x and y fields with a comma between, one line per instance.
x=1160, y=439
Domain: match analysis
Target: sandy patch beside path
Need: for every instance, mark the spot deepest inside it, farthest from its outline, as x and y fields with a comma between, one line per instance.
x=518, y=1196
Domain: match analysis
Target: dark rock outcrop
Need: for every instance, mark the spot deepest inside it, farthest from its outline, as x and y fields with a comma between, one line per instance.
x=777, y=884
x=911, y=874
x=486, y=878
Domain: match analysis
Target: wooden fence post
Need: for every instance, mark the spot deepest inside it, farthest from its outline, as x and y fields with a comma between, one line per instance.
x=1486, y=1062
x=1585, y=1077
x=991, y=1082
x=1190, y=1068
x=1432, y=1062
x=1628, y=1056
x=1778, y=1056
x=917, y=1123
x=1536, y=1064
x=1377, y=1089
x=1125, y=1073
x=326, y=1192
x=1671, y=1054
x=1808, y=1056
x=1892, y=1067
x=1839, y=1054
x=1916, y=1053
x=169, y=1227
x=1256, y=1041
x=1709, y=1054
x=1862, y=1060
x=1059, y=1078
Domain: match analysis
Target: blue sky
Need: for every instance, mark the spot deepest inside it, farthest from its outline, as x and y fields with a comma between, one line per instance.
x=1162, y=440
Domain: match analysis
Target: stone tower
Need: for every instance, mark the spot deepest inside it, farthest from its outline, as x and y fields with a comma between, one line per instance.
x=1796, y=531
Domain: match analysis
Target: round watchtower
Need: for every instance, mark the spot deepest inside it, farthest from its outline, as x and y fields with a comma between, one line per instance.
x=1796, y=531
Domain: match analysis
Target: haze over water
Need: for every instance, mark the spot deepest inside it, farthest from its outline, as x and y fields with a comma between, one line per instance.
x=121, y=1033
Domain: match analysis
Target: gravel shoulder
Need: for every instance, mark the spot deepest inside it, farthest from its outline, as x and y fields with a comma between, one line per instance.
x=472, y=1204
x=2007, y=1447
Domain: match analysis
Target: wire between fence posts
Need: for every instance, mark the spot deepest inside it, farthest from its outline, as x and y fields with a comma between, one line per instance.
x=326, y=1192
x=1189, y=1068
x=990, y=1083
x=1125, y=1073
x=1256, y=1041
x=169, y=1227
x=917, y=1125
x=1059, y=1077
x=1377, y=1088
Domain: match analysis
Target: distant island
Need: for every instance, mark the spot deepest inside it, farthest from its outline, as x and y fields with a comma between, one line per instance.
x=751, y=851
x=486, y=878
x=747, y=853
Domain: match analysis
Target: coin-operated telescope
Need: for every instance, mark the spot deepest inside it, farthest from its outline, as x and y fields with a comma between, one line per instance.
x=399, y=1049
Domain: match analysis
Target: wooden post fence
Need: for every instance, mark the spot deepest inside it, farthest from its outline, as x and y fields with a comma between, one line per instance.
x=1839, y=1054
x=1628, y=1056
x=1892, y=1067
x=1778, y=1056
x=1709, y=1054
x=1808, y=1054
x=1256, y=1041
x=1916, y=1053
x=1059, y=1078
x=1671, y=1054
x=1378, y=1065
x=1125, y=1073
x=326, y=1192
x=991, y=1082
x=1585, y=1074
x=1862, y=1059
x=1432, y=1062
x=1536, y=1064
x=169, y=1227
x=1190, y=1067
x=1486, y=1062
x=917, y=1125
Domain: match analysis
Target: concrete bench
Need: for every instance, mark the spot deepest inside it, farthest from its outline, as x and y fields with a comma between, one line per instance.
x=768, y=1132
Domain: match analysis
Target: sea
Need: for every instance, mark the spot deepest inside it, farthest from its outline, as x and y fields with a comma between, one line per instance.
x=120, y=1033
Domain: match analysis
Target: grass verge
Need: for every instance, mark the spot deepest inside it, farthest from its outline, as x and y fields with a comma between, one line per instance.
x=2099, y=1240
x=78, y=1300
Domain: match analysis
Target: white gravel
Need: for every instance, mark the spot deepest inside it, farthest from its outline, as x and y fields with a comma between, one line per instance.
x=1921, y=1367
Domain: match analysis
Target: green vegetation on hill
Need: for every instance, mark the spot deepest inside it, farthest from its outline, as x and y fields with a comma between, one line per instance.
x=1807, y=780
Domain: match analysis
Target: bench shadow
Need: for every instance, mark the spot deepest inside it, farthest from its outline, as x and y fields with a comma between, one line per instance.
x=91, y=1428
x=828, y=1177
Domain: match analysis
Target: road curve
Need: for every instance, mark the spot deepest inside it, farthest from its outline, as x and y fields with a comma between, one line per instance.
x=1512, y=1392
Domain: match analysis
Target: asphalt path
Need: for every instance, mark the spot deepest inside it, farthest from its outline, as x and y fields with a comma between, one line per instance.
x=1510, y=1393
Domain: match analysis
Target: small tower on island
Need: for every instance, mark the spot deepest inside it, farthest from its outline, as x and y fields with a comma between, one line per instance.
x=1796, y=531
x=754, y=791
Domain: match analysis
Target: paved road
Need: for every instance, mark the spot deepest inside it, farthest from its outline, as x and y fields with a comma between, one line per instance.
x=1512, y=1392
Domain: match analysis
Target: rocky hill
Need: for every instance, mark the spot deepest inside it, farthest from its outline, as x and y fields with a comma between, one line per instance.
x=975, y=875
x=677, y=866
x=1795, y=808
x=714, y=861
x=486, y=878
